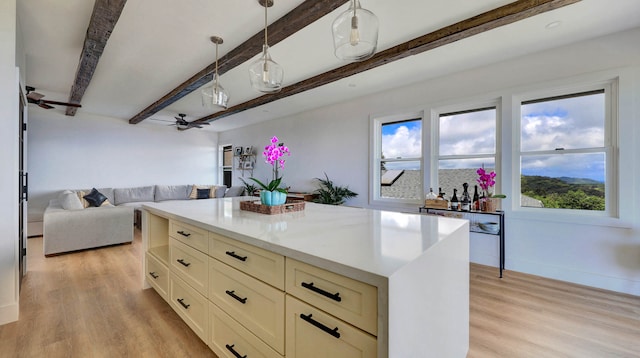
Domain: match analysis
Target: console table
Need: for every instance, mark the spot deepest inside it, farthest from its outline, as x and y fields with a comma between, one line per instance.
x=474, y=218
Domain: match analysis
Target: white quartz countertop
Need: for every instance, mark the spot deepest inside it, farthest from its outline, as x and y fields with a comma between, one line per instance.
x=367, y=244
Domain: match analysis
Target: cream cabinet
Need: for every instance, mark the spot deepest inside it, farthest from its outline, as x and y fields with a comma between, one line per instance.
x=326, y=282
x=243, y=300
x=312, y=333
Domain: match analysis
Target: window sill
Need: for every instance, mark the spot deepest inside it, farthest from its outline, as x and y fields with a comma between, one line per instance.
x=556, y=215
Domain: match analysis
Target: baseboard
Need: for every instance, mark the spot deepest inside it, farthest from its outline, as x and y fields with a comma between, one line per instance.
x=34, y=228
x=616, y=284
x=9, y=313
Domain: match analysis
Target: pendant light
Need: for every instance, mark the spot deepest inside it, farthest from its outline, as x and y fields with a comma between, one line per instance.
x=355, y=33
x=215, y=95
x=265, y=74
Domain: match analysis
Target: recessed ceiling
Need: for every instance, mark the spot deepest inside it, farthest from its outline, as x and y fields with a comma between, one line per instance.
x=157, y=44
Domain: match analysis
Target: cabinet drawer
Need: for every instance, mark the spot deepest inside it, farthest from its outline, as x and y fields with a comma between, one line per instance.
x=189, y=264
x=190, y=235
x=312, y=333
x=259, y=263
x=191, y=306
x=348, y=299
x=228, y=336
x=256, y=305
x=157, y=275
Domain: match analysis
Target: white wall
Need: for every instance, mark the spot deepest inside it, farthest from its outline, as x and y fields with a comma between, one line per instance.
x=88, y=151
x=603, y=253
x=8, y=164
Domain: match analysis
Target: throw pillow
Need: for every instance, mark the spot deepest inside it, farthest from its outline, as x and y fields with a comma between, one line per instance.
x=81, y=194
x=194, y=190
x=235, y=191
x=70, y=201
x=203, y=193
x=95, y=198
x=219, y=191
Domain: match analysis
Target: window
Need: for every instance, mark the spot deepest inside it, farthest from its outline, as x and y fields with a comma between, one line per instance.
x=565, y=151
x=466, y=142
x=397, y=165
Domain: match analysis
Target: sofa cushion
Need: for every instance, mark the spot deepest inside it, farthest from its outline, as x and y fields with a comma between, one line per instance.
x=70, y=201
x=172, y=192
x=235, y=191
x=129, y=195
x=219, y=191
x=95, y=198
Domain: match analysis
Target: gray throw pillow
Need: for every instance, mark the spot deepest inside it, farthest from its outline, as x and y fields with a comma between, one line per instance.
x=235, y=191
x=70, y=201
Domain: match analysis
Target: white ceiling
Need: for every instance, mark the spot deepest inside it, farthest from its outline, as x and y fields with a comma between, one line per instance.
x=157, y=44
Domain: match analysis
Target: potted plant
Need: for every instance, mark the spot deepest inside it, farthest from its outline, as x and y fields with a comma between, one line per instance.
x=488, y=202
x=332, y=194
x=272, y=193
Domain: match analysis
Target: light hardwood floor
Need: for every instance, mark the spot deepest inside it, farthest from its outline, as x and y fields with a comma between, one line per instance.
x=90, y=304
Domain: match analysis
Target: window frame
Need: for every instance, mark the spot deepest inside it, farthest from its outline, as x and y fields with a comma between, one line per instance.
x=461, y=107
x=610, y=148
x=375, y=199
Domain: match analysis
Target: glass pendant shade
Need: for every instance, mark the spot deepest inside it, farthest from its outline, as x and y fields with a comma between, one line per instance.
x=355, y=33
x=265, y=74
x=215, y=95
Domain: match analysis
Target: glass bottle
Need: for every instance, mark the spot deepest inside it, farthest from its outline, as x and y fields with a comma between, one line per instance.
x=455, y=204
x=431, y=195
x=466, y=199
x=476, y=199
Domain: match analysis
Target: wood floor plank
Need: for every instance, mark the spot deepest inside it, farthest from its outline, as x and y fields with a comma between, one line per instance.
x=90, y=304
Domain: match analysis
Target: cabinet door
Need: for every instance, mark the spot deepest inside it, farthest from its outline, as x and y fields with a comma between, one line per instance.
x=191, y=306
x=190, y=235
x=264, y=265
x=348, y=299
x=157, y=275
x=228, y=338
x=312, y=333
x=190, y=264
x=256, y=305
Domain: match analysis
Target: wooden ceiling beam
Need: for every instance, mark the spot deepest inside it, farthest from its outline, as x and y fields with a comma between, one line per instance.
x=489, y=20
x=103, y=19
x=297, y=19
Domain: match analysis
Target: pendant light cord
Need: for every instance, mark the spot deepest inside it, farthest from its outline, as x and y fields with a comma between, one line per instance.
x=266, y=4
x=216, y=77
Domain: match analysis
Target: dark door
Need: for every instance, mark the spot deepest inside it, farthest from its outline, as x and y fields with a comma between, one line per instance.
x=23, y=181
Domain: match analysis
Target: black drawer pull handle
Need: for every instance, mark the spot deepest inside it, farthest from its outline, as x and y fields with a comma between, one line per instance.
x=185, y=234
x=333, y=332
x=185, y=264
x=333, y=296
x=236, y=256
x=233, y=351
x=153, y=274
x=233, y=294
x=185, y=305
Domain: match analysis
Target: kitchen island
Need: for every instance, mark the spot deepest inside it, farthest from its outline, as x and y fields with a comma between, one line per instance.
x=327, y=281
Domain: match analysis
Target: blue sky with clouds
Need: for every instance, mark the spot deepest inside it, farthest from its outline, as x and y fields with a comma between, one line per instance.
x=571, y=123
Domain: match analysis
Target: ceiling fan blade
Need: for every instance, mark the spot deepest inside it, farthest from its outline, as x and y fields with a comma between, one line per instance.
x=44, y=105
x=61, y=103
x=34, y=96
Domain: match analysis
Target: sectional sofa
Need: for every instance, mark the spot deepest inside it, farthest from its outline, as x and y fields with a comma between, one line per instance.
x=72, y=222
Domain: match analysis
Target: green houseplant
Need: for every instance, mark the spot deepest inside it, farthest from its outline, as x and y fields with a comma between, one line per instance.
x=329, y=193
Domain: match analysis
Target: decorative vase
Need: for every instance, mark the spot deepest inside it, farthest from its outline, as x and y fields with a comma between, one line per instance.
x=490, y=205
x=271, y=198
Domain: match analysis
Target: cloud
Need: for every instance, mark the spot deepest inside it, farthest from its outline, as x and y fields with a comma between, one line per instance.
x=405, y=142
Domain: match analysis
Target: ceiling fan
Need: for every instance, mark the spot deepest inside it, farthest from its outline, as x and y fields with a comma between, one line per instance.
x=182, y=124
x=36, y=98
